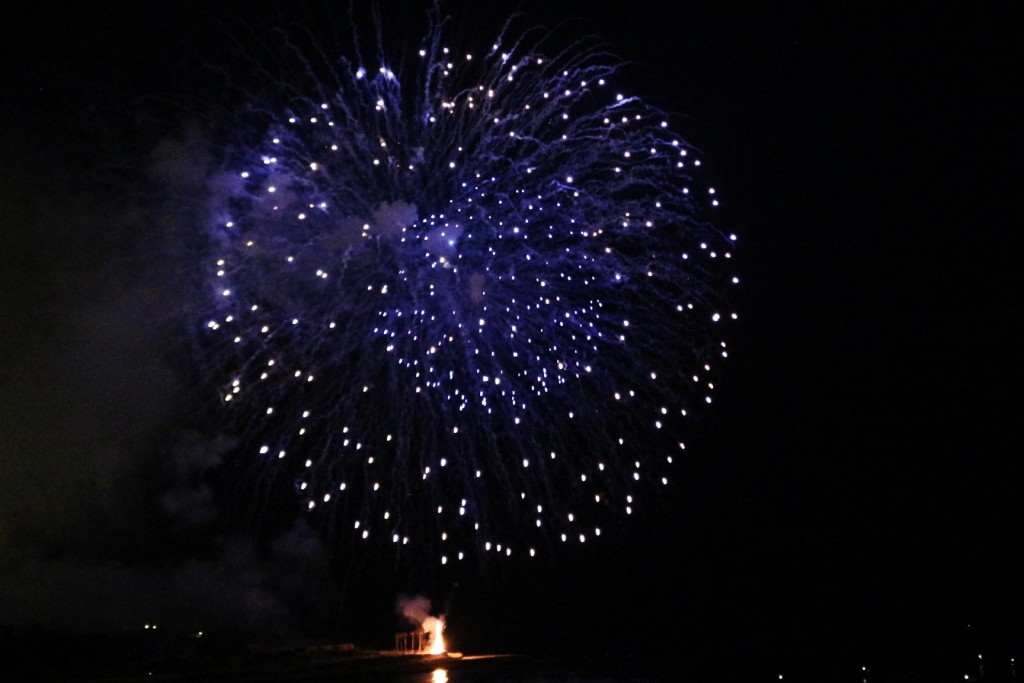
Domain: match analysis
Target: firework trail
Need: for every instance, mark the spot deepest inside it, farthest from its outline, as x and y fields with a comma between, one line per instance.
x=467, y=306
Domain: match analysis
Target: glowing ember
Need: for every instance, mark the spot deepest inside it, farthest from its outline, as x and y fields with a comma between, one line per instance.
x=434, y=626
x=429, y=639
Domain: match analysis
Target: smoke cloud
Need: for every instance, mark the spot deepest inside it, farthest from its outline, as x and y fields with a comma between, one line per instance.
x=416, y=610
x=108, y=518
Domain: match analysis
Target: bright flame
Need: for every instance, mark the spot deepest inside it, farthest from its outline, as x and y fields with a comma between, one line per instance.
x=439, y=676
x=437, y=638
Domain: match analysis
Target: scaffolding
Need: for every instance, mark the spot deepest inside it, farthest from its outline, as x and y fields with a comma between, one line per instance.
x=412, y=642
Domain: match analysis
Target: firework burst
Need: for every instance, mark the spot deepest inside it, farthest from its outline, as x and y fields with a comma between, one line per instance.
x=467, y=306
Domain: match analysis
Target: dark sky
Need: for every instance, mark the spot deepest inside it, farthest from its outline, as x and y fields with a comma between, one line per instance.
x=854, y=497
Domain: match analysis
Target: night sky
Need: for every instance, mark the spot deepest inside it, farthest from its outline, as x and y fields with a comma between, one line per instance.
x=854, y=496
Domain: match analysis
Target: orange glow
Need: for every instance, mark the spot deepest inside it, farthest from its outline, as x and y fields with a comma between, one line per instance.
x=437, y=638
x=439, y=676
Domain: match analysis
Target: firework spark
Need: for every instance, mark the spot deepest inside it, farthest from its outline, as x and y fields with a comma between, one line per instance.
x=468, y=305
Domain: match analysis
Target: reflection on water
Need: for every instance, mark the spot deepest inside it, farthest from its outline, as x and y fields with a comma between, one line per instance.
x=489, y=669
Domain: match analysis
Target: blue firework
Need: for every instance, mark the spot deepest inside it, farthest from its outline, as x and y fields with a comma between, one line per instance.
x=468, y=305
